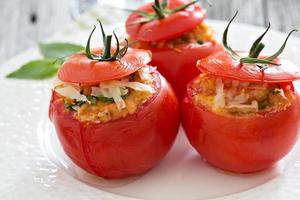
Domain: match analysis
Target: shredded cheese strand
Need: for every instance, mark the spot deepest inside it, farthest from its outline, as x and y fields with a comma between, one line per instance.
x=133, y=85
x=116, y=95
x=219, y=101
x=71, y=92
x=111, y=89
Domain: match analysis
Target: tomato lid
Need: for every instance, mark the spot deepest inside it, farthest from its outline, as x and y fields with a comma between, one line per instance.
x=103, y=64
x=80, y=69
x=252, y=68
x=222, y=64
x=163, y=20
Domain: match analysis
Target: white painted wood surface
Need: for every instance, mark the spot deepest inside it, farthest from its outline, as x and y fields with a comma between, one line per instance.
x=25, y=22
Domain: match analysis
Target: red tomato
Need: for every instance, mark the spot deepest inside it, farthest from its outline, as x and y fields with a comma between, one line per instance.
x=170, y=27
x=241, y=144
x=123, y=147
x=80, y=69
x=178, y=65
x=222, y=64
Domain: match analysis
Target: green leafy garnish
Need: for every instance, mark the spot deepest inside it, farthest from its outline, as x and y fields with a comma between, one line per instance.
x=164, y=4
x=36, y=70
x=282, y=47
x=276, y=91
x=105, y=99
x=257, y=61
x=69, y=106
x=257, y=42
x=80, y=103
x=59, y=50
x=225, y=43
x=256, y=48
x=110, y=100
x=54, y=54
x=161, y=11
x=106, y=54
x=255, y=53
x=92, y=99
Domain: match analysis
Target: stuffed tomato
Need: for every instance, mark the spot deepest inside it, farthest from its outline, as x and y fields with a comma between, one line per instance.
x=177, y=36
x=115, y=116
x=242, y=113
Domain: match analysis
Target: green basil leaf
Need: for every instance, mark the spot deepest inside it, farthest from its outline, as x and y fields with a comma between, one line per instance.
x=69, y=106
x=80, y=103
x=59, y=50
x=92, y=99
x=105, y=99
x=36, y=70
x=276, y=91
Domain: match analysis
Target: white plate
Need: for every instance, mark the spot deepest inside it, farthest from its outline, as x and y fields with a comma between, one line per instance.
x=34, y=167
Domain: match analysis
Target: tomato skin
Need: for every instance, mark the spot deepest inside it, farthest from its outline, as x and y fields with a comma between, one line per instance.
x=178, y=65
x=170, y=27
x=80, y=69
x=222, y=64
x=241, y=144
x=123, y=147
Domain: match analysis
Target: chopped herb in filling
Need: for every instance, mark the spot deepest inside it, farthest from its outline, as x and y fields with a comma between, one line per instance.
x=234, y=97
x=109, y=100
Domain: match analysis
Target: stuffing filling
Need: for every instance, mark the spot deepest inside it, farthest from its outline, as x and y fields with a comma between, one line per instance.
x=200, y=35
x=109, y=100
x=234, y=97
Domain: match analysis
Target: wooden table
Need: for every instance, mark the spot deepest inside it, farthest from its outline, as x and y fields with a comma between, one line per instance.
x=25, y=22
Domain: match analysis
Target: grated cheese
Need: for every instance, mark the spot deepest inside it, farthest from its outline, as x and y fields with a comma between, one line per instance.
x=71, y=92
x=253, y=105
x=111, y=89
x=281, y=92
x=144, y=73
x=239, y=99
x=133, y=85
x=219, y=101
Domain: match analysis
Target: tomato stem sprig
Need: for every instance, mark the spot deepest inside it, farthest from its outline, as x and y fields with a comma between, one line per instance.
x=106, y=54
x=256, y=48
x=161, y=10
